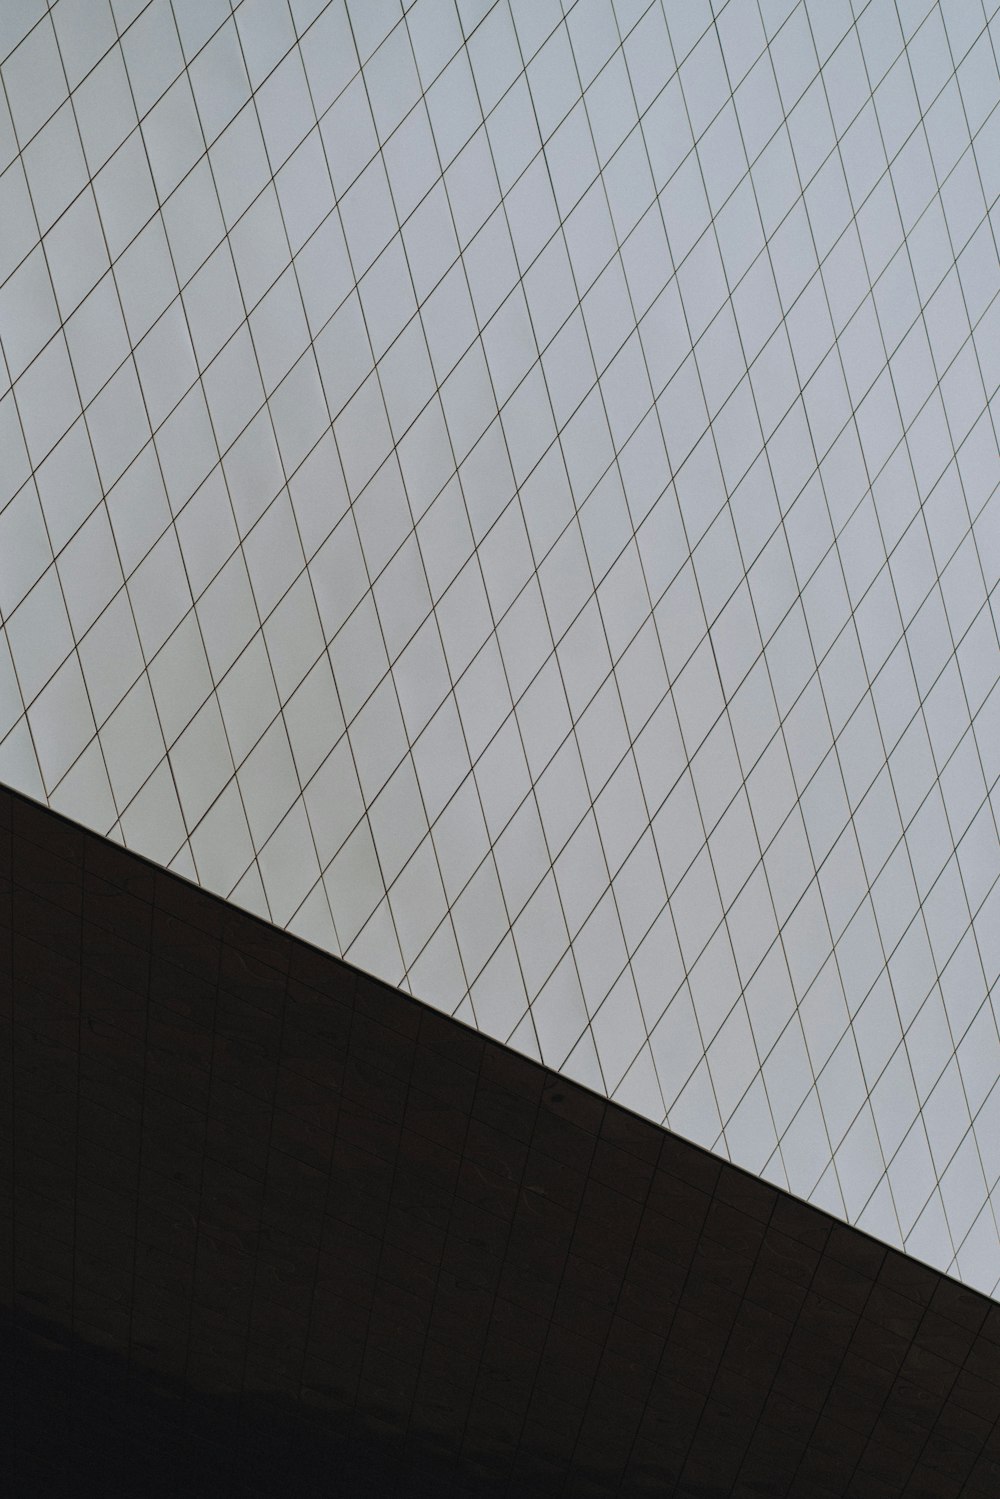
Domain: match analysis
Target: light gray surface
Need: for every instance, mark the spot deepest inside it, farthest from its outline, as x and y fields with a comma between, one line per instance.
x=512, y=496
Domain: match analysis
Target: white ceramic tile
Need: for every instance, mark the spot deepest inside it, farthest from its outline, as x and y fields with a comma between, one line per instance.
x=617, y=389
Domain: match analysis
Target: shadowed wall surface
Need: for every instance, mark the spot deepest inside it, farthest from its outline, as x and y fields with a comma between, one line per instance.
x=272, y=1227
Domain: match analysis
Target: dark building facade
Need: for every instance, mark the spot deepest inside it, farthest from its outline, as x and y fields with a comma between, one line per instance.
x=274, y=1228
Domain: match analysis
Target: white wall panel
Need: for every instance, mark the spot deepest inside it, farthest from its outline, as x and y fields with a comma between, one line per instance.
x=510, y=492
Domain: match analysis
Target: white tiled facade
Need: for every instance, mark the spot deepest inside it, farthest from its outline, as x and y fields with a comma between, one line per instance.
x=508, y=490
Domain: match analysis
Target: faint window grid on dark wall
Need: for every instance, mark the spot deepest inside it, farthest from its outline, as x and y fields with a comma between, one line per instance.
x=240, y=1166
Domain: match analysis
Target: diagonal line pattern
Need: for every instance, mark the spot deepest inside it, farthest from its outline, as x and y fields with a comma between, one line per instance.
x=513, y=497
